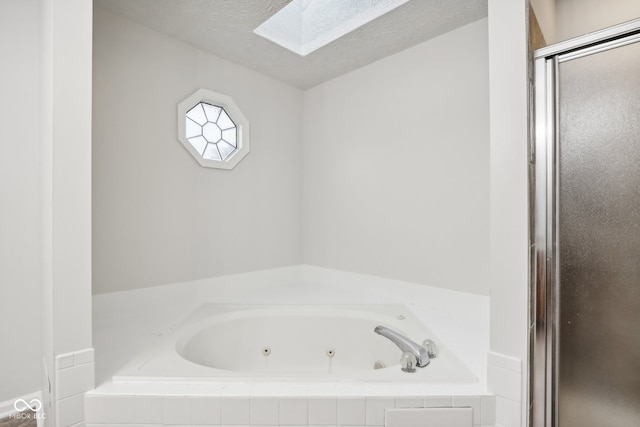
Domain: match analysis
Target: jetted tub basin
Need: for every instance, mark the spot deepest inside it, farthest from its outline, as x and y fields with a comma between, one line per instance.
x=292, y=342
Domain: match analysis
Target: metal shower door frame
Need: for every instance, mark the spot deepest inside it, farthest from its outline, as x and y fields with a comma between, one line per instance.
x=544, y=280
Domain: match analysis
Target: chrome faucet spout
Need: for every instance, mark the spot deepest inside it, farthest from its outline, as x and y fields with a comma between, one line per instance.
x=405, y=344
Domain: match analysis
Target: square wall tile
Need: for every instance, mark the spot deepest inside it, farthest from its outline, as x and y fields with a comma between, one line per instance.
x=265, y=411
x=293, y=411
x=375, y=408
x=323, y=411
x=503, y=361
x=74, y=380
x=176, y=410
x=473, y=402
x=205, y=410
x=83, y=356
x=148, y=410
x=235, y=410
x=119, y=409
x=351, y=411
x=409, y=402
x=488, y=410
x=414, y=417
x=438, y=402
x=70, y=411
x=64, y=360
x=504, y=382
x=94, y=409
x=507, y=412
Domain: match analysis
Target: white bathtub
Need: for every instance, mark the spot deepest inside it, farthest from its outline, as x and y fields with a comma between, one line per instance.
x=294, y=342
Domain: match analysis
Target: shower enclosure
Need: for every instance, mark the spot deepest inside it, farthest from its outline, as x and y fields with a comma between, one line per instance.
x=585, y=180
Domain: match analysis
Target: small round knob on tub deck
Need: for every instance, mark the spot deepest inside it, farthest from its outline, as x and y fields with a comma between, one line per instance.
x=430, y=346
x=408, y=362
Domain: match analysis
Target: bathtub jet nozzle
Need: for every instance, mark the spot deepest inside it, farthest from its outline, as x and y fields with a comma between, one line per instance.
x=405, y=344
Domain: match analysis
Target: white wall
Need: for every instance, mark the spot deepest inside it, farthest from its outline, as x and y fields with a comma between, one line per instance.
x=509, y=237
x=509, y=185
x=158, y=216
x=65, y=190
x=564, y=19
x=545, y=11
x=396, y=166
x=19, y=199
x=65, y=184
x=577, y=17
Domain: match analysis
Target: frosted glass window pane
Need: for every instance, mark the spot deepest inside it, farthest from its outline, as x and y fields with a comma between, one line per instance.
x=192, y=128
x=212, y=112
x=224, y=121
x=211, y=152
x=198, y=143
x=230, y=136
x=211, y=132
x=225, y=149
x=197, y=114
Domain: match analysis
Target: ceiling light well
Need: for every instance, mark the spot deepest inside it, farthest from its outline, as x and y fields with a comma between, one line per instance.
x=304, y=26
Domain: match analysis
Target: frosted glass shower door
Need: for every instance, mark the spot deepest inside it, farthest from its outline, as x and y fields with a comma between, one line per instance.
x=598, y=239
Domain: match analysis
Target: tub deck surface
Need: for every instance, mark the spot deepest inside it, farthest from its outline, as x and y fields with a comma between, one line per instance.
x=128, y=326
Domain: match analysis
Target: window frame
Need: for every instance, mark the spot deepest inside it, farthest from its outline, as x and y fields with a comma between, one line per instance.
x=232, y=110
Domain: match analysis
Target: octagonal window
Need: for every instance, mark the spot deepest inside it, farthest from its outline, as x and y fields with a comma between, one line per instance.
x=213, y=130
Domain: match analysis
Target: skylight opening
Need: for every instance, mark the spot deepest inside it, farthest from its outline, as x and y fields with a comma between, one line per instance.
x=304, y=26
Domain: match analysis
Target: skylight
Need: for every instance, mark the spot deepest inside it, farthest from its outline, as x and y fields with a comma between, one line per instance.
x=304, y=26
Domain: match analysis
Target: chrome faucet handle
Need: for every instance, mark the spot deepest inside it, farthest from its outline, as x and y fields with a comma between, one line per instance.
x=430, y=346
x=408, y=362
x=405, y=344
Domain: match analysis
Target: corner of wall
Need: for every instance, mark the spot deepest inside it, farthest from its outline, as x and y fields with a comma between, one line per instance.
x=509, y=106
x=65, y=206
x=74, y=376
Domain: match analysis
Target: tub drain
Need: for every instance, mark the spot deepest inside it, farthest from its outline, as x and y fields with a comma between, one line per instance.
x=266, y=351
x=379, y=365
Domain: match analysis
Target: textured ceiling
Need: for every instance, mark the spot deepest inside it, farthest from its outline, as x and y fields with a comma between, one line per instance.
x=225, y=28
